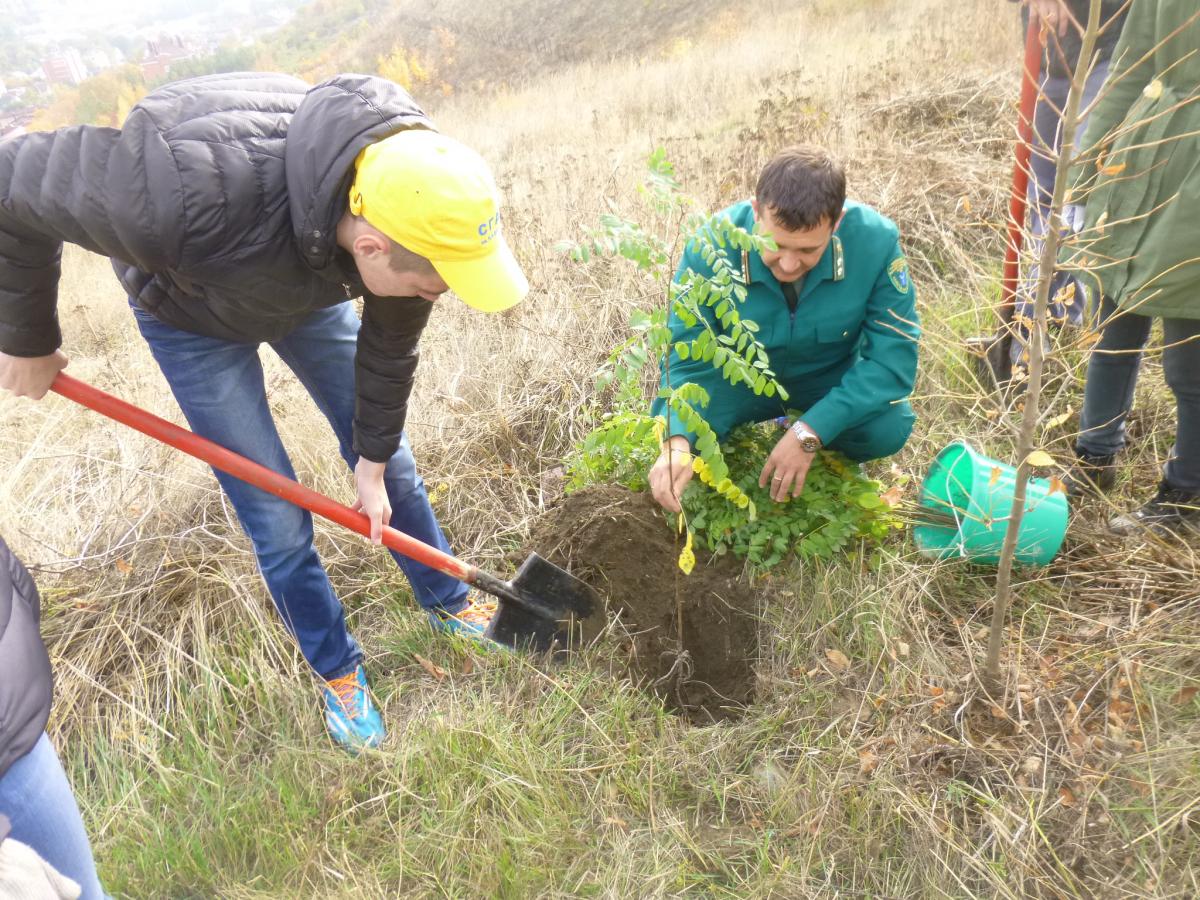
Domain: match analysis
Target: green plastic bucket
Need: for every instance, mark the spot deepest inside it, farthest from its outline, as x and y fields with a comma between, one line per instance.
x=977, y=493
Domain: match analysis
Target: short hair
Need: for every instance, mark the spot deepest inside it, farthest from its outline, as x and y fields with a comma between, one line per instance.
x=401, y=259
x=802, y=185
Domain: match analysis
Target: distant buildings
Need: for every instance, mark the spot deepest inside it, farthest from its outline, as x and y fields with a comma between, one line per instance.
x=98, y=60
x=162, y=53
x=64, y=67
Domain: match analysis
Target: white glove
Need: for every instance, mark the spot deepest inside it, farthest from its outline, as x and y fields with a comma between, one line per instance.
x=26, y=876
x=1072, y=217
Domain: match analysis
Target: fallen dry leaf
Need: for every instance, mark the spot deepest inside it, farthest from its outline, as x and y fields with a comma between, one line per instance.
x=867, y=761
x=1032, y=765
x=432, y=668
x=1056, y=485
x=617, y=821
x=903, y=649
x=468, y=665
x=1186, y=694
x=892, y=496
x=936, y=691
x=838, y=659
x=1061, y=419
x=1066, y=796
x=123, y=567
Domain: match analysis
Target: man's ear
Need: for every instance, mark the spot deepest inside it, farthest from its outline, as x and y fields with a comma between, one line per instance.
x=839, y=220
x=369, y=244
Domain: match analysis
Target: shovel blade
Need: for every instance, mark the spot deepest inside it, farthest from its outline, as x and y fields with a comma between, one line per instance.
x=546, y=599
x=990, y=360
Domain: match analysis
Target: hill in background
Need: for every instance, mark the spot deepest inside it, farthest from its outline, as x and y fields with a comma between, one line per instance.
x=433, y=49
x=456, y=44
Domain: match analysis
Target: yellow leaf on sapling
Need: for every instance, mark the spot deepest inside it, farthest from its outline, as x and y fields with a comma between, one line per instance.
x=1039, y=459
x=687, y=558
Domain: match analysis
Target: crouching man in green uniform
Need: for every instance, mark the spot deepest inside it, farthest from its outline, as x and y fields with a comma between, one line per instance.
x=836, y=311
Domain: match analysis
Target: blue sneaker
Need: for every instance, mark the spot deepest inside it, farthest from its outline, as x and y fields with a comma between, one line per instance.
x=351, y=717
x=471, y=621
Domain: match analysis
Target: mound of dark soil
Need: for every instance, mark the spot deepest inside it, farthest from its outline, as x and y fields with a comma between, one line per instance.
x=618, y=542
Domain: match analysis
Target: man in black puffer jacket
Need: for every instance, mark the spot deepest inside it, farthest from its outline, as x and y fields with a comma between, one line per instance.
x=37, y=807
x=250, y=208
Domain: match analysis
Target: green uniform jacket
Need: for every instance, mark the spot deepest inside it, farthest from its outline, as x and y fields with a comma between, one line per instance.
x=1144, y=208
x=846, y=354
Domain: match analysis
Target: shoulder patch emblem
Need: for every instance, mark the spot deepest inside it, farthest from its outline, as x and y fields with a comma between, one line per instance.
x=898, y=274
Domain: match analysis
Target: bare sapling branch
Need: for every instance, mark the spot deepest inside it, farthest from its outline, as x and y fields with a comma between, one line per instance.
x=1031, y=415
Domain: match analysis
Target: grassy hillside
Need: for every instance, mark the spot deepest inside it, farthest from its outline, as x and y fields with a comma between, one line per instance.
x=455, y=45
x=192, y=731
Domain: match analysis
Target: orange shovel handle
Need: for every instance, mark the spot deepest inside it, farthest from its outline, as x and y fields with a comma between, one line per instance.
x=258, y=475
x=1018, y=199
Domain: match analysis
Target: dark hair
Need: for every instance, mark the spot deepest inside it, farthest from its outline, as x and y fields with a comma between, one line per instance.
x=401, y=259
x=802, y=186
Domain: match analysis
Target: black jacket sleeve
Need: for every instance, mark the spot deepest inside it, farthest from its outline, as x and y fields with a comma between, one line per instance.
x=84, y=185
x=25, y=686
x=385, y=364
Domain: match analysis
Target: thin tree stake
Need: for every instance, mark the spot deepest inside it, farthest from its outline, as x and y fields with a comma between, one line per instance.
x=1033, y=391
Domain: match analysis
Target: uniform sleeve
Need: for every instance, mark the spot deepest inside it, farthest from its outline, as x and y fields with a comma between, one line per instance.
x=720, y=412
x=385, y=365
x=887, y=367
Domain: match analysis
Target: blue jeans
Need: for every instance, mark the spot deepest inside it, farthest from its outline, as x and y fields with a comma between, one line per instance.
x=1112, y=375
x=36, y=797
x=1046, y=139
x=219, y=387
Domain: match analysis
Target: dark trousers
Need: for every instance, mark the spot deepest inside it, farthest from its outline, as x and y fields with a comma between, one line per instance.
x=1111, y=378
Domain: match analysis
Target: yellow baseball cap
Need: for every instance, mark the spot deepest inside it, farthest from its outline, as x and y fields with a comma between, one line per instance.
x=437, y=198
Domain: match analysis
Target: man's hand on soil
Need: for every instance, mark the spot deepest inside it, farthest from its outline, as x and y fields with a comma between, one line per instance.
x=372, y=496
x=671, y=473
x=786, y=468
x=30, y=376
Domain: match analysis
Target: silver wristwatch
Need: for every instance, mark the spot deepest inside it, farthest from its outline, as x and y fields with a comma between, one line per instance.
x=809, y=442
